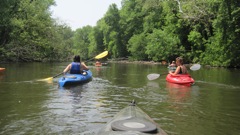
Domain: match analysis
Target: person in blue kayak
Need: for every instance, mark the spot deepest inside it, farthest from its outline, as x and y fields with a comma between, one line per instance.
x=181, y=69
x=76, y=67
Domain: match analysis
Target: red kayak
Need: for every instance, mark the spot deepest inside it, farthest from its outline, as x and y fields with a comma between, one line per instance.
x=180, y=79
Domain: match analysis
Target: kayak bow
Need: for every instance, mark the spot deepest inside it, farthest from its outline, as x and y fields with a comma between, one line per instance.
x=131, y=120
x=180, y=79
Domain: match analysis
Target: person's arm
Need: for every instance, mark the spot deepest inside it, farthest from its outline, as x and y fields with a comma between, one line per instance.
x=67, y=69
x=176, y=71
x=83, y=66
x=185, y=70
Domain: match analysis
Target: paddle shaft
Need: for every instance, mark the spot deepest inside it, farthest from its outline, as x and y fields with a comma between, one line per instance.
x=58, y=75
x=164, y=74
x=89, y=60
x=99, y=56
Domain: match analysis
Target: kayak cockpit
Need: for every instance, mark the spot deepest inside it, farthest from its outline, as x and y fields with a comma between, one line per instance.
x=132, y=120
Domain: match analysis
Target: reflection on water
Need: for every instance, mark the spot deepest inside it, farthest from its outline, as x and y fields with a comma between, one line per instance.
x=28, y=106
x=153, y=84
x=178, y=93
x=220, y=85
x=2, y=76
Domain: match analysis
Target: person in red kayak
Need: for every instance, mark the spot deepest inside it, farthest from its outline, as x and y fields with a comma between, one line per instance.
x=76, y=67
x=172, y=67
x=181, y=69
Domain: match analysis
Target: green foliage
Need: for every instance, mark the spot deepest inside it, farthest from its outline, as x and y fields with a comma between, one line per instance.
x=137, y=47
x=222, y=48
x=204, y=31
x=197, y=41
x=162, y=45
x=28, y=33
x=81, y=41
x=96, y=42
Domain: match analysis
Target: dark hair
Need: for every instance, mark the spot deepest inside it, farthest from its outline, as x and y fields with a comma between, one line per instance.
x=76, y=58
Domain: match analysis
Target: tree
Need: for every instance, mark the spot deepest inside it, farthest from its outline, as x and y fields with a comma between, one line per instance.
x=81, y=41
x=137, y=47
x=112, y=32
x=28, y=31
x=96, y=41
x=162, y=46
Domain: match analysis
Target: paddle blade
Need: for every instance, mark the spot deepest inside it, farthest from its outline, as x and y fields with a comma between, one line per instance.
x=153, y=76
x=46, y=79
x=101, y=55
x=195, y=67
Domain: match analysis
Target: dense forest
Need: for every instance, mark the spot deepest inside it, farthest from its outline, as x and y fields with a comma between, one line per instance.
x=201, y=31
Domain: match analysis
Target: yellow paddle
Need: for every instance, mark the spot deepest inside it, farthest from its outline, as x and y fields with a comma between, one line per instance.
x=99, y=56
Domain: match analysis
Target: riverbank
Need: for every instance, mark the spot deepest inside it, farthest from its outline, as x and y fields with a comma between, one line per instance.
x=138, y=62
x=164, y=63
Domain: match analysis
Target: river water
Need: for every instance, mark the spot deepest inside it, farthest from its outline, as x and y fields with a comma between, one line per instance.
x=30, y=106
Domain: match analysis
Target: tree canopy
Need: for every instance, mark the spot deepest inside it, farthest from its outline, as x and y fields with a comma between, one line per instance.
x=201, y=31
x=28, y=33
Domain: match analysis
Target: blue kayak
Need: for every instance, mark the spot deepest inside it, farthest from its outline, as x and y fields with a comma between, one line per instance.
x=73, y=79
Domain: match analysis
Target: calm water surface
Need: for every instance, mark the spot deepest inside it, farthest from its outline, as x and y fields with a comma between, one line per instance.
x=30, y=106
